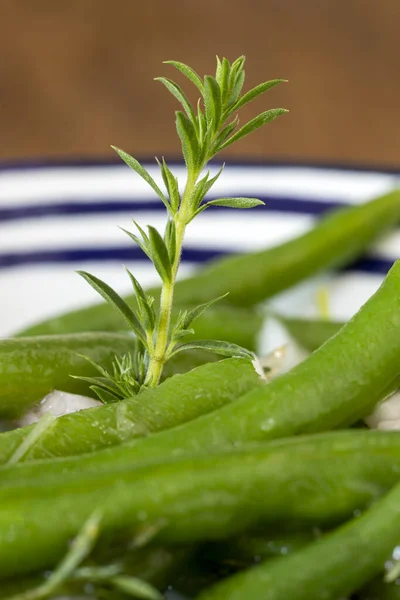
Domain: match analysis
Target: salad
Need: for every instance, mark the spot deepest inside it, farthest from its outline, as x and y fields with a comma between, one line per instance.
x=173, y=459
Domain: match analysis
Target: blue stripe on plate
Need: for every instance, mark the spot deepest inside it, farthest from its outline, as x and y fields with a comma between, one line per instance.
x=272, y=204
x=276, y=163
x=111, y=254
x=127, y=253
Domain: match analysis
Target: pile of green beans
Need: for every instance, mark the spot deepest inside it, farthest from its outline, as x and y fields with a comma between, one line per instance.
x=216, y=384
x=332, y=567
x=31, y=367
x=226, y=469
x=309, y=398
x=315, y=480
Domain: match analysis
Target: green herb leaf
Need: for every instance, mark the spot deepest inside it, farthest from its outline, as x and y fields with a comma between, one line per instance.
x=171, y=183
x=142, y=245
x=179, y=94
x=224, y=134
x=104, y=395
x=206, y=152
x=208, y=184
x=196, y=312
x=393, y=573
x=98, y=367
x=218, y=71
x=121, y=383
x=146, y=533
x=217, y=347
x=237, y=88
x=127, y=372
x=238, y=65
x=181, y=317
x=200, y=190
x=236, y=79
x=136, y=587
x=79, y=549
x=177, y=335
x=190, y=145
x=97, y=573
x=235, y=202
x=255, y=92
x=222, y=77
x=188, y=72
x=212, y=102
x=146, y=311
x=160, y=254
x=143, y=242
x=140, y=170
x=256, y=123
x=37, y=431
x=115, y=299
x=140, y=359
x=142, y=233
x=104, y=382
x=170, y=239
x=201, y=123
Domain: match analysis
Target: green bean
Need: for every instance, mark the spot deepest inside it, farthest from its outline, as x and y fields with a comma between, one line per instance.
x=12, y=587
x=330, y=568
x=379, y=590
x=336, y=385
x=251, y=547
x=177, y=400
x=316, y=480
x=30, y=368
x=337, y=240
x=216, y=560
x=221, y=321
x=310, y=333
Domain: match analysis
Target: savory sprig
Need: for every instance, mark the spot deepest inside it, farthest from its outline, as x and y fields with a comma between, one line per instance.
x=80, y=548
x=71, y=574
x=203, y=131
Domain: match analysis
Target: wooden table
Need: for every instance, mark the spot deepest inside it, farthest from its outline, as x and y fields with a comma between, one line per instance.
x=76, y=76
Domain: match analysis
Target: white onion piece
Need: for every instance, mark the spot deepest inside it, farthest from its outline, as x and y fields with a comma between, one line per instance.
x=58, y=404
x=279, y=350
x=386, y=415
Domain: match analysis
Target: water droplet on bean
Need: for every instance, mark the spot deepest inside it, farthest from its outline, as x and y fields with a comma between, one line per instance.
x=268, y=425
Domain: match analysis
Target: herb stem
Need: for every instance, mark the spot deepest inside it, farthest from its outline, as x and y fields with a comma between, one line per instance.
x=160, y=354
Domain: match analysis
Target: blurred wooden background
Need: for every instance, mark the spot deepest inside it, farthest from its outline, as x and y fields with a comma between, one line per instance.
x=77, y=76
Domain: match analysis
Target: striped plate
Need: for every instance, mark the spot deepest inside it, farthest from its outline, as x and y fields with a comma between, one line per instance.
x=57, y=218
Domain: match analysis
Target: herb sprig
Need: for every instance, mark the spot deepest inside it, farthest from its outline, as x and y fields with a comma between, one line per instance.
x=106, y=581
x=203, y=131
